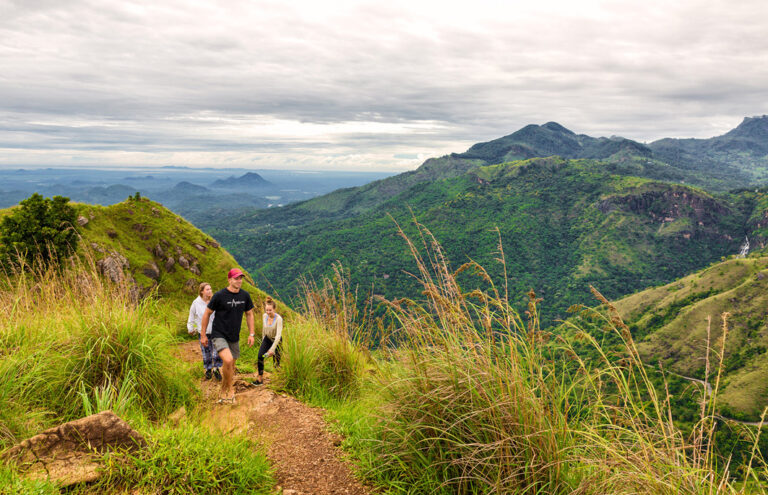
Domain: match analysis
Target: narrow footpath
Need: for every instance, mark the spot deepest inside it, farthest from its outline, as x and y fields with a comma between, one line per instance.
x=305, y=455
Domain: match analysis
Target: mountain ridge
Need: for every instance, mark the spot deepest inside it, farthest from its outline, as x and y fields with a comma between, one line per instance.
x=682, y=161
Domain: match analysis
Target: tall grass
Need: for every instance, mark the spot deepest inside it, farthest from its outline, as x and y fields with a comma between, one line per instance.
x=187, y=460
x=474, y=397
x=323, y=360
x=74, y=343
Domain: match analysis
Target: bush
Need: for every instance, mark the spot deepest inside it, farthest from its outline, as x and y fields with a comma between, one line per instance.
x=40, y=230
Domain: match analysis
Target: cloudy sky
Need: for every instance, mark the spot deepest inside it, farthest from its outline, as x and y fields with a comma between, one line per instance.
x=358, y=85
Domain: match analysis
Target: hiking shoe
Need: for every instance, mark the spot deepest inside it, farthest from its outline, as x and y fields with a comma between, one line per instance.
x=217, y=374
x=208, y=375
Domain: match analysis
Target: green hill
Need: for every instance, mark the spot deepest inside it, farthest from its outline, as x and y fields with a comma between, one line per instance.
x=670, y=324
x=153, y=250
x=156, y=249
x=281, y=243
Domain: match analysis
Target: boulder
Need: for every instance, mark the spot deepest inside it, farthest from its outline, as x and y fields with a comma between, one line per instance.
x=169, y=264
x=158, y=251
x=155, y=212
x=195, y=269
x=211, y=242
x=97, y=248
x=111, y=233
x=191, y=286
x=151, y=270
x=113, y=267
x=68, y=453
x=82, y=221
x=184, y=262
x=200, y=248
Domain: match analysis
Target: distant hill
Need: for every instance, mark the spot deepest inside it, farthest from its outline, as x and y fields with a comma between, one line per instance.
x=742, y=152
x=10, y=198
x=185, y=187
x=107, y=195
x=245, y=181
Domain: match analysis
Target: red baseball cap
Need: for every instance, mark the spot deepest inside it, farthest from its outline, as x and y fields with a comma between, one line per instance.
x=234, y=273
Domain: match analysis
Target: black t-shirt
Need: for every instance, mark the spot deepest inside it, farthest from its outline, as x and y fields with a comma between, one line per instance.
x=229, y=308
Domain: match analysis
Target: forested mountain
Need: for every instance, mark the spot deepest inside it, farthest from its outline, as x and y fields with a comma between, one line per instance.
x=564, y=224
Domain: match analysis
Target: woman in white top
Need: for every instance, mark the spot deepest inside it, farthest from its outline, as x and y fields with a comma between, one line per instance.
x=271, y=333
x=211, y=360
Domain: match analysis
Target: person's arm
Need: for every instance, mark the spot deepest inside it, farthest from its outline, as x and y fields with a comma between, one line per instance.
x=251, y=326
x=278, y=336
x=204, y=324
x=192, y=319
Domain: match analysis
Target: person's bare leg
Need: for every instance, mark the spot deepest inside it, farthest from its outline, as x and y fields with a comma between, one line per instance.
x=227, y=374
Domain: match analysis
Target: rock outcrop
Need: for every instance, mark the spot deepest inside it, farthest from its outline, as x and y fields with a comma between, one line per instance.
x=67, y=453
x=152, y=271
x=113, y=267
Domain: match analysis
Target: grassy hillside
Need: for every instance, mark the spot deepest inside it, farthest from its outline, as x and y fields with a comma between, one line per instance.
x=160, y=250
x=671, y=325
x=563, y=224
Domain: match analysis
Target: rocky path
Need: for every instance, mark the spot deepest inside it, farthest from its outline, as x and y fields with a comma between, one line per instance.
x=304, y=453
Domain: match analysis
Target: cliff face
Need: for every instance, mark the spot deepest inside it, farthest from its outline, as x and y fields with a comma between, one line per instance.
x=667, y=205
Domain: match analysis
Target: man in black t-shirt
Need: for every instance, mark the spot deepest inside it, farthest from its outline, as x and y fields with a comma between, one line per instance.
x=229, y=304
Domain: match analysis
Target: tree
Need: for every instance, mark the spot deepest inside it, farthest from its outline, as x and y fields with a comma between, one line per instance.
x=40, y=229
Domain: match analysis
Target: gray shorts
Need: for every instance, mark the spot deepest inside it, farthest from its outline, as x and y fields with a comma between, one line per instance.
x=220, y=344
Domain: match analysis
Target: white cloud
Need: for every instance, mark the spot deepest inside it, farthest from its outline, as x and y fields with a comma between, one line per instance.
x=352, y=84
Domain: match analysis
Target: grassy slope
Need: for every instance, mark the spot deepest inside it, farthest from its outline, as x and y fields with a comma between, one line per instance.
x=134, y=229
x=671, y=321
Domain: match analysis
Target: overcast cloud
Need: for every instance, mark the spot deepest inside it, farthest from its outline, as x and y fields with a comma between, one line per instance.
x=362, y=85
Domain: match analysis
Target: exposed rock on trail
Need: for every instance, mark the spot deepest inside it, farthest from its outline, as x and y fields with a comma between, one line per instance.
x=66, y=453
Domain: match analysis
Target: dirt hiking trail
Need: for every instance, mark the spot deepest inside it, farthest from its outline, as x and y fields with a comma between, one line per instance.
x=304, y=454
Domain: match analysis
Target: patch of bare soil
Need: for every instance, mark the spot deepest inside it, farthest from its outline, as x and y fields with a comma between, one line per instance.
x=305, y=454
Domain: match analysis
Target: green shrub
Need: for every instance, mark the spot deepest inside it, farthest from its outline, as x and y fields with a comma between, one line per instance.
x=40, y=230
x=71, y=343
x=123, y=354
